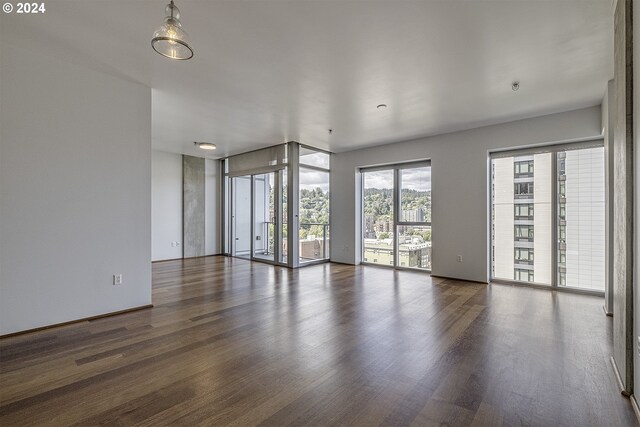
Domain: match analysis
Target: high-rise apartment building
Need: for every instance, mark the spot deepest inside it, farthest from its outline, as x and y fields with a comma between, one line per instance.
x=413, y=215
x=522, y=218
x=581, y=218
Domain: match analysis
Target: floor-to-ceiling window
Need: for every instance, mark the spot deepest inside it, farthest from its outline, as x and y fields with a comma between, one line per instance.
x=283, y=212
x=314, y=170
x=271, y=191
x=413, y=229
x=396, y=215
x=522, y=217
x=378, y=219
x=548, y=216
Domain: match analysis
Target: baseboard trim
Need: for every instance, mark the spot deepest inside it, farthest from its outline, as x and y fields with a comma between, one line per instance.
x=459, y=279
x=183, y=258
x=619, y=378
x=342, y=263
x=634, y=405
x=547, y=287
x=84, y=319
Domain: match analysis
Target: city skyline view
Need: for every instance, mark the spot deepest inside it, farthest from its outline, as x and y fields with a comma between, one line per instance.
x=410, y=234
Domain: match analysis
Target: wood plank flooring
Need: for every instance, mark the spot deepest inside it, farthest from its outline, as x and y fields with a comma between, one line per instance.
x=230, y=342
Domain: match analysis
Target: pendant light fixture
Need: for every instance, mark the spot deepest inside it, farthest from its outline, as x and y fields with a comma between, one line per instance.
x=170, y=39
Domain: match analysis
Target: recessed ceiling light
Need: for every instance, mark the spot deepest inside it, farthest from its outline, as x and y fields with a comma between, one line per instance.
x=381, y=106
x=206, y=145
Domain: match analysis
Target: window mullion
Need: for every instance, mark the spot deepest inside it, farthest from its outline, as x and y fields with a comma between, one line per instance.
x=554, y=219
x=396, y=213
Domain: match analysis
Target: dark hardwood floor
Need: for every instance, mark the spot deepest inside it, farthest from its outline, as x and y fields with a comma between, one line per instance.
x=230, y=342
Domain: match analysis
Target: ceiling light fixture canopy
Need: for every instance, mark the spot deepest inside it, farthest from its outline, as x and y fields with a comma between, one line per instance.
x=206, y=145
x=170, y=39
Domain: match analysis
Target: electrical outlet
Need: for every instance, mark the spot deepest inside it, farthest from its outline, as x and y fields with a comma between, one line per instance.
x=117, y=279
x=459, y=258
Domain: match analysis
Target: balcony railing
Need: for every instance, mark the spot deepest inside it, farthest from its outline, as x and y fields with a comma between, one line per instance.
x=307, y=251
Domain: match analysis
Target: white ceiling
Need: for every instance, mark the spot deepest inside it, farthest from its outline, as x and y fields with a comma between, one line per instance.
x=270, y=71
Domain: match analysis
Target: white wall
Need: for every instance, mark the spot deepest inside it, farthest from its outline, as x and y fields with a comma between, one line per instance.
x=166, y=205
x=460, y=181
x=212, y=207
x=75, y=191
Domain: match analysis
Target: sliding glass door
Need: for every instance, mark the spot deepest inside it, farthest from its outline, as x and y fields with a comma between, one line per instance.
x=264, y=216
x=241, y=216
x=396, y=221
x=256, y=217
x=547, y=216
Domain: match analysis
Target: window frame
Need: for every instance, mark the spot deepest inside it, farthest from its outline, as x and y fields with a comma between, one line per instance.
x=530, y=211
x=530, y=275
x=558, y=229
x=518, y=173
x=530, y=232
x=526, y=260
x=517, y=189
x=396, y=169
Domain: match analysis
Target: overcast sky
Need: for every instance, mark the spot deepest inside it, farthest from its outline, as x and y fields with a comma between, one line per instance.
x=311, y=179
x=413, y=179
